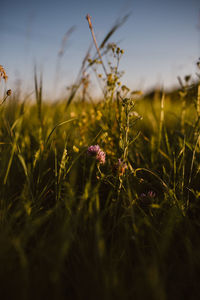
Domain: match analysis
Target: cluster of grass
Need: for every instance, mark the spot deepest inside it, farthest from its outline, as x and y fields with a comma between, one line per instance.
x=74, y=227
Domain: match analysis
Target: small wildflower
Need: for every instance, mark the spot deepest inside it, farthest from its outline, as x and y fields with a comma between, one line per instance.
x=121, y=167
x=93, y=150
x=97, y=152
x=72, y=114
x=101, y=157
x=99, y=115
x=151, y=194
x=76, y=149
x=143, y=195
x=148, y=197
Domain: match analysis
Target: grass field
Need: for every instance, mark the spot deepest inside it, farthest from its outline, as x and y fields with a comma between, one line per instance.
x=119, y=220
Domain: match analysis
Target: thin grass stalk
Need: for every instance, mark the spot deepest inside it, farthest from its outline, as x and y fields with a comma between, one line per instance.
x=183, y=169
x=14, y=148
x=175, y=174
x=183, y=111
x=162, y=115
x=95, y=42
x=38, y=94
x=56, y=173
x=198, y=101
x=78, y=81
x=8, y=93
x=192, y=164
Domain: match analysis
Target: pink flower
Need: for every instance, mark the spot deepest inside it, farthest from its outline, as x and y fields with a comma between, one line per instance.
x=147, y=198
x=151, y=194
x=93, y=150
x=120, y=167
x=101, y=157
x=98, y=153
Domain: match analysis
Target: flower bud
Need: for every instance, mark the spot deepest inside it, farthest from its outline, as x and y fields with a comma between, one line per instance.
x=9, y=92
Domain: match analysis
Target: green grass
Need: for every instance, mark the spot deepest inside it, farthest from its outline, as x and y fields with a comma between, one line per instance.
x=70, y=232
x=74, y=228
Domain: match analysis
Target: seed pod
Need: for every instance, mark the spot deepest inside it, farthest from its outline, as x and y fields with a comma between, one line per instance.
x=9, y=92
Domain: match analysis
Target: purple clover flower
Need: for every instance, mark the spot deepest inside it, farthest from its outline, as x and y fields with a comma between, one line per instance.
x=101, y=157
x=121, y=166
x=151, y=194
x=98, y=153
x=93, y=150
x=142, y=196
x=147, y=198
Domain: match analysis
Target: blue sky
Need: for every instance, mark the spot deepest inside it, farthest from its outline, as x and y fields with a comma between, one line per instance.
x=161, y=39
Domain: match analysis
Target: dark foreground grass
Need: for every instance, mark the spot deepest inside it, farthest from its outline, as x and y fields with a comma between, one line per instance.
x=72, y=228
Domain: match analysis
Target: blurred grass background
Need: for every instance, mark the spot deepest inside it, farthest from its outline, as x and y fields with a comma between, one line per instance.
x=67, y=233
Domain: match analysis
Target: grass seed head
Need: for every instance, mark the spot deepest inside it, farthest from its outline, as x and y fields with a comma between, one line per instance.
x=9, y=92
x=3, y=73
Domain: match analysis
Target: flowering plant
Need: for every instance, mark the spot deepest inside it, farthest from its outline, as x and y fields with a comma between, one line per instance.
x=99, y=154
